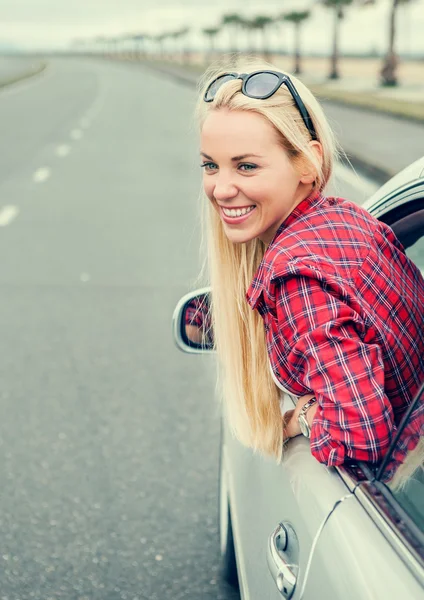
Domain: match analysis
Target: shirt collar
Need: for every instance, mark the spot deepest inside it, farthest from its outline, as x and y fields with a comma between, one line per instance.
x=256, y=287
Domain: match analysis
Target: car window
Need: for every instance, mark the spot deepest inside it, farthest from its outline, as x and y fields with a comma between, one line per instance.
x=409, y=228
x=406, y=480
x=416, y=253
x=409, y=491
x=411, y=497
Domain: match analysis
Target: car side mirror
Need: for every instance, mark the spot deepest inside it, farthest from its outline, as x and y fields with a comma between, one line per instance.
x=192, y=322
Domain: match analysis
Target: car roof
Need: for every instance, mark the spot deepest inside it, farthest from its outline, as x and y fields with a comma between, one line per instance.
x=410, y=180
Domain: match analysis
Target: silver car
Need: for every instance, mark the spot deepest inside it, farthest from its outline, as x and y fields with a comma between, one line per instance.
x=304, y=531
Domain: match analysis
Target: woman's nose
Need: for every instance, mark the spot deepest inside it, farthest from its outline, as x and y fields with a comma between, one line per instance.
x=224, y=189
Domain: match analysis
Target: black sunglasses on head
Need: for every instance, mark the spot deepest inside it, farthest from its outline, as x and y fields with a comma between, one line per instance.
x=262, y=85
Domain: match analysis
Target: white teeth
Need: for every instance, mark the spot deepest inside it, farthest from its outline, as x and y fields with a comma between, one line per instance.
x=237, y=212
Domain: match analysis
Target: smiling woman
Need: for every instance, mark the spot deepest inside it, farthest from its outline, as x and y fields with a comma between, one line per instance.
x=313, y=287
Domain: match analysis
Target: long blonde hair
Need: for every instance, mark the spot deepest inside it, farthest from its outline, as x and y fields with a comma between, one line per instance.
x=251, y=398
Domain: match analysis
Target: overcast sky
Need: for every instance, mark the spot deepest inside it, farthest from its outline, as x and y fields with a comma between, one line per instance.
x=47, y=23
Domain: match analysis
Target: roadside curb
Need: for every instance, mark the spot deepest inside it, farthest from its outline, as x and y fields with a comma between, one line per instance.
x=365, y=166
x=371, y=171
x=25, y=75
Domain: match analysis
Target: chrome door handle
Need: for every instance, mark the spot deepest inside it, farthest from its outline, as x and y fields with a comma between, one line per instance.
x=283, y=558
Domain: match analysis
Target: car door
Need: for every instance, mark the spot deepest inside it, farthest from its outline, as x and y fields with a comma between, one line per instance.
x=301, y=494
x=372, y=546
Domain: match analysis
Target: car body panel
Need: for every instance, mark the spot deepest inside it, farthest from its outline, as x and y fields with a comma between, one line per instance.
x=355, y=566
x=255, y=511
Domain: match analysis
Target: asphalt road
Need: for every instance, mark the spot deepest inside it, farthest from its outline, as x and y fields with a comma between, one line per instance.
x=108, y=434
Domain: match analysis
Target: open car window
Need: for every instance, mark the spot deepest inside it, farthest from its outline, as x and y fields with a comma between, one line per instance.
x=409, y=228
x=405, y=479
x=416, y=253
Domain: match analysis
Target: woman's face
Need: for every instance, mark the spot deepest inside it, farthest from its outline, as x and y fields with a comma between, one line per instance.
x=248, y=176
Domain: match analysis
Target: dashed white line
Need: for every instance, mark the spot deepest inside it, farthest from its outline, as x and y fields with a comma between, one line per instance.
x=96, y=107
x=63, y=150
x=41, y=175
x=7, y=214
x=84, y=277
x=76, y=134
x=85, y=123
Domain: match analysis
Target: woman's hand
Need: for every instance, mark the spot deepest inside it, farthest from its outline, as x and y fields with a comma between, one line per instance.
x=291, y=423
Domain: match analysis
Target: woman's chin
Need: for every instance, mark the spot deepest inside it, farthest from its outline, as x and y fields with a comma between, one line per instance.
x=238, y=236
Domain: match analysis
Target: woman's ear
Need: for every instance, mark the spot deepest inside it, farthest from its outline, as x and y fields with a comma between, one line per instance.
x=309, y=172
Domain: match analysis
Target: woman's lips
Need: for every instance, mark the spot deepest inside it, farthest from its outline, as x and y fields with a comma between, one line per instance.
x=235, y=220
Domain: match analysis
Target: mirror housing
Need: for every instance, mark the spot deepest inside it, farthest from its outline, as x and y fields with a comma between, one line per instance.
x=192, y=324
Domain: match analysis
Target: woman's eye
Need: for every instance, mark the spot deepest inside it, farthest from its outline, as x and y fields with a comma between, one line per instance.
x=208, y=166
x=247, y=167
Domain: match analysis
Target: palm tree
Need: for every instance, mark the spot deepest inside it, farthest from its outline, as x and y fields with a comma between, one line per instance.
x=103, y=44
x=247, y=25
x=171, y=45
x=235, y=22
x=297, y=18
x=388, y=71
x=176, y=36
x=139, y=40
x=184, y=34
x=261, y=23
x=338, y=7
x=211, y=33
x=114, y=45
x=159, y=38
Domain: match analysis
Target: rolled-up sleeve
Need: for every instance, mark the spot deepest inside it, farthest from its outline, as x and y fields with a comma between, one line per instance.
x=326, y=354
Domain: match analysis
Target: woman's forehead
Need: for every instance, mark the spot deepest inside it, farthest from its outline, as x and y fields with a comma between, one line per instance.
x=238, y=125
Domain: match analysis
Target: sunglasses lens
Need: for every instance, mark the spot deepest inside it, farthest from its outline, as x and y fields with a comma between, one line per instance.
x=261, y=85
x=214, y=87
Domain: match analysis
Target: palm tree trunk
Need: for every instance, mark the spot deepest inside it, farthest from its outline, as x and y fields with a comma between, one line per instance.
x=297, y=65
x=388, y=72
x=334, y=68
x=233, y=40
x=251, y=38
x=185, y=49
x=265, y=43
x=211, y=48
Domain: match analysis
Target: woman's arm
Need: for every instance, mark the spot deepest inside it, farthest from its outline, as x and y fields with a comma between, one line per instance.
x=291, y=423
x=323, y=352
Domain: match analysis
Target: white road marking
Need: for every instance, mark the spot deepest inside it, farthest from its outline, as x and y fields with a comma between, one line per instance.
x=96, y=107
x=41, y=175
x=85, y=123
x=63, y=150
x=76, y=134
x=84, y=277
x=7, y=214
x=362, y=184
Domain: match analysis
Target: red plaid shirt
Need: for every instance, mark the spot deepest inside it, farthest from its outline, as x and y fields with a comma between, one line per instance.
x=198, y=314
x=343, y=308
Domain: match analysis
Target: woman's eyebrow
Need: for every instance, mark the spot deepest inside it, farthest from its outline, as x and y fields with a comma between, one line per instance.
x=235, y=158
